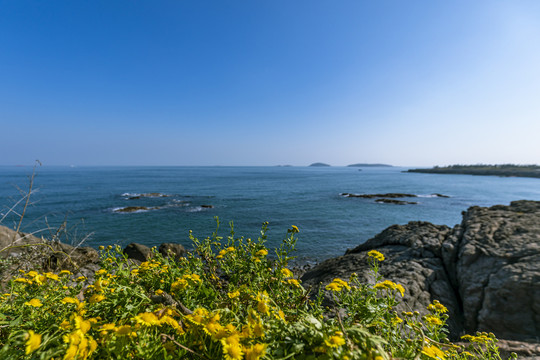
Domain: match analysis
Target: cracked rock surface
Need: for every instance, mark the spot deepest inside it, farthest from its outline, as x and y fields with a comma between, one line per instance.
x=486, y=270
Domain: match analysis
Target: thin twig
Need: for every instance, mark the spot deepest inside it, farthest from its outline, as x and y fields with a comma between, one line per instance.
x=27, y=196
x=182, y=346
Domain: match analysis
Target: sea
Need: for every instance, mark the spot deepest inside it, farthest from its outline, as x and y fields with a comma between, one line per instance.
x=89, y=206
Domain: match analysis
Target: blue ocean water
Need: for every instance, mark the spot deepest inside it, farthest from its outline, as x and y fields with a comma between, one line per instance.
x=88, y=199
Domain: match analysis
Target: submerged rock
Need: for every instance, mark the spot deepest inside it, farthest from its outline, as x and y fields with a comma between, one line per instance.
x=372, y=196
x=396, y=202
x=130, y=209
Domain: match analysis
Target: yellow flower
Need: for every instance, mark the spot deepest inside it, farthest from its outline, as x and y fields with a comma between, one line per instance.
x=342, y=283
x=180, y=284
x=294, y=229
x=52, y=276
x=376, y=255
x=233, y=294
x=147, y=319
x=433, y=352
x=255, y=352
x=123, y=330
x=96, y=298
x=294, y=282
x=333, y=287
x=334, y=341
x=337, y=285
x=433, y=320
x=194, y=277
x=401, y=289
x=65, y=325
x=437, y=307
x=232, y=348
x=172, y=323
x=262, y=303
x=34, y=303
x=108, y=327
x=286, y=272
x=258, y=329
x=101, y=272
x=389, y=285
x=23, y=280
x=81, y=324
x=69, y=300
x=65, y=272
x=33, y=341
x=262, y=252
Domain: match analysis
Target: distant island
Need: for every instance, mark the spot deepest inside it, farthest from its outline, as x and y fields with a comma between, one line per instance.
x=369, y=165
x=496, y=170
x=319, y=164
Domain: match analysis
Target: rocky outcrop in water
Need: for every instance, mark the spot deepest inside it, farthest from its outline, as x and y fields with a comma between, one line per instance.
x=486, y=270
x=372, y=196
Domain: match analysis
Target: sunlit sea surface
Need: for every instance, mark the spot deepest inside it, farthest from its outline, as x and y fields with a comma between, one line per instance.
x=88, y=200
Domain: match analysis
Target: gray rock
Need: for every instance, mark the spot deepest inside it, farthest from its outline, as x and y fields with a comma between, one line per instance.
x=486, y=270
x=138, y=252
x=173, y=250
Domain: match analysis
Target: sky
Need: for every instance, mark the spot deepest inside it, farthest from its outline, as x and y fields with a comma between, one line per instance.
x=270, y=82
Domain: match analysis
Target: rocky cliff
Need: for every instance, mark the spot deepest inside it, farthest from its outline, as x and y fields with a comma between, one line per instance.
x=486, y=270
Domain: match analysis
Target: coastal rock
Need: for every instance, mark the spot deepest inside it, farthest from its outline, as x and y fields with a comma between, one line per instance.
x=173, y=250
x=498, y=269
x=138, y=252
x=396, y=202
x=30, y=252
x=372, y=196
x=486, y=270
x=130, y=209
x=146, y=195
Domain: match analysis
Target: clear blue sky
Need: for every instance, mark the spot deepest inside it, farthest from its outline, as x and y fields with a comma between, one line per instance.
x=413, y=83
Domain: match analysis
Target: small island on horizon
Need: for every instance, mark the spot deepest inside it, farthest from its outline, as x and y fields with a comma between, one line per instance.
x=505, y=170
x=319, y=164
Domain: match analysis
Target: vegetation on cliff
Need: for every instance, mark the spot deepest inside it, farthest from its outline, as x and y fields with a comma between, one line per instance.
x=228, y=299
x=497, y=170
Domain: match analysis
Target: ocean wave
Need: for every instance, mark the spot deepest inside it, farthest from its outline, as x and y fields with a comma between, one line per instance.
x=133, y=196
x=133, y=209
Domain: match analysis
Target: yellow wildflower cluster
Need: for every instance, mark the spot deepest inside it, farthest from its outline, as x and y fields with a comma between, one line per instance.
x=433, y=320
x=234, y=309
x=33, y=277
x=337, y=285
x=480, y=338
x=390, y=285
x=80, y=344
x=376, y=255
x=222, y=253
x=235, y=344
x=437, y=307
x=183, y=282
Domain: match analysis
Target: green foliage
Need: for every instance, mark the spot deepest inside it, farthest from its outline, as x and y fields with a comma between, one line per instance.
x=225, y=300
